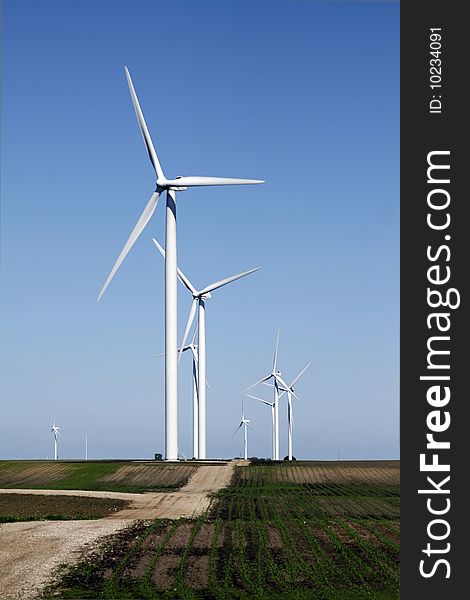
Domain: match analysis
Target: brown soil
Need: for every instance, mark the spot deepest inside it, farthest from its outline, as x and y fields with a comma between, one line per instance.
x=151, y=475
x=274, y=537
x=197, y=571
x=179, y=539
x=41, y=506
x=165, y=571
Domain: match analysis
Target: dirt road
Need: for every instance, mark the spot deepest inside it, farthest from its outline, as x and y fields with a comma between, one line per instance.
x=30, y=552
x=190, y=501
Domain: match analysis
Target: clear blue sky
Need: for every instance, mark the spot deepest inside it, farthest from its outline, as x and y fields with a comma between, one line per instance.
x=302, y=94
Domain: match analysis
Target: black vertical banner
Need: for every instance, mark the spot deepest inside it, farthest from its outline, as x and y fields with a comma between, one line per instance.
x=435, y=236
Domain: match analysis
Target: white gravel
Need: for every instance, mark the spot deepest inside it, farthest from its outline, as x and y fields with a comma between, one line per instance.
x=30, y=552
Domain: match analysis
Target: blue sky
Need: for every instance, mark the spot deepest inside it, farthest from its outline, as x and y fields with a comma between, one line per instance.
x=302, y=94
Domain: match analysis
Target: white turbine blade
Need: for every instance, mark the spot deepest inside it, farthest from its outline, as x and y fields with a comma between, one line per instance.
x=300, y=375
x=194, y=334
x=285, y=386
x=260, y=399
x=250, y=427
x=227, y=280
x=141, y=223
x=241, y=424
x=179, y=350
x=143, y=129
x=194, y=353
x=257, y=383
x=275, y=352
x=192, y=312
x=181, y=276
x=196, y=181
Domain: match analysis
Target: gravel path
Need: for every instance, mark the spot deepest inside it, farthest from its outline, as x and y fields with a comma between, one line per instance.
x=190, y=501
x=30, y=552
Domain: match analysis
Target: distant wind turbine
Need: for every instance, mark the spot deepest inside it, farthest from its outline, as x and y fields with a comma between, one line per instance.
x=273, y=422
x=290, y=416
x=244, y=423
x=199, y=298
x=170, y=186
x=277, y=380
x=56, y=432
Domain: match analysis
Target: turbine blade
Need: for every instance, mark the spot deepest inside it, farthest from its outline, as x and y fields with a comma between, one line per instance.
x=275, y=352
x=194, y=334
x=192, y=312
x=250, y=427
x=284, y=385
x=196, y=181
x=143, y=129
x=181, y=276
x=282, y=382
x=194, y=353
x=300, y=375
x=179, y=350
x=141, y=223
x=257, y=383
x=260, y=399
x=222, y=282
x=233, y=435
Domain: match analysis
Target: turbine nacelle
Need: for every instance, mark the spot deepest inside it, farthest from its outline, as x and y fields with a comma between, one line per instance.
x=205, y=296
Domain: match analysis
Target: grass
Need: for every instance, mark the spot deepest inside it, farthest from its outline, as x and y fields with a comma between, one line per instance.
x=262, y=539
x=32, y=507
x=97, y=476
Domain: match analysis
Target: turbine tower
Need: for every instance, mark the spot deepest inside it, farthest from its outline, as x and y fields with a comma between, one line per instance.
x=290, y=416
x=199, y=298
x=56, y=432
x=275, y=375
x=170, y=186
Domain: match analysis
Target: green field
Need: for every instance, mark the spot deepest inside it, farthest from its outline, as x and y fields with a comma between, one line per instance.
x=297, y=531
x=92, y=475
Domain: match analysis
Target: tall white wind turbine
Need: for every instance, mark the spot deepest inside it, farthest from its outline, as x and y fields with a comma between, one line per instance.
x=170, y=186
x=273, y=421
x=56, y=432
x=277, y=380
x=199, y=298
x=289, y=390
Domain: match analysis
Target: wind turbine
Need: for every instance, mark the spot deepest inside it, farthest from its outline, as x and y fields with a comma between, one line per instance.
x=170, y=186
x=273, y=422
x=275, y=375
x=199, y=298
x=56, y=432
x=244, y=423
x=290, y=416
